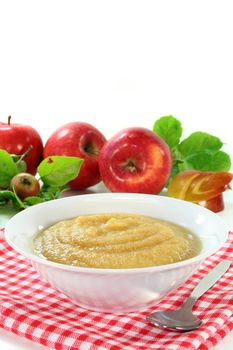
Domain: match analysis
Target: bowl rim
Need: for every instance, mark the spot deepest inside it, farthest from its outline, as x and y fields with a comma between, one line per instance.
x=90, y=270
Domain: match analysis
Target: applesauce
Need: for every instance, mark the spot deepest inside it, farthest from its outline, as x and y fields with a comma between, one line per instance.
x=116, y=241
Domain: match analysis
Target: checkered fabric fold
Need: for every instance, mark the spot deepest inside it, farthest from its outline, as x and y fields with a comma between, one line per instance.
x=30, y=308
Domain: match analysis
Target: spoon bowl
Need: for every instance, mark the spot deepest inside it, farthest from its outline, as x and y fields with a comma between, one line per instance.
x=183, y=319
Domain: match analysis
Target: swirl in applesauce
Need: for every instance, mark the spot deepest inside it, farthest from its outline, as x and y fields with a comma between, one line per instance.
x=116, y=241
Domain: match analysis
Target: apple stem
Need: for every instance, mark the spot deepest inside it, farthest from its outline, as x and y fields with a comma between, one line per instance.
x=130, y=166
x=25, y=154
x=91, y=149
x=9, y=120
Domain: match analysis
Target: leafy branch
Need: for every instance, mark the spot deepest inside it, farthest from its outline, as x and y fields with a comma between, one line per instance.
x=55, y=173
x=199, y=151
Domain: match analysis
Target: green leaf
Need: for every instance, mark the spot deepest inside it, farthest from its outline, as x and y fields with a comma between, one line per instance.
x=3, y=202
x=32, y=200
x=169, y=129
x=20, y=163
x=15, y=157
x=8, y=169
x=198, y=142
x=6, y=196
x=208, y=161
x=21, y=166
x=50, y=192
x=59, y=170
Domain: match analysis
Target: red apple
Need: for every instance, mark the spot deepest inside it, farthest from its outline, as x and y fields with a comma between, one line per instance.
x=25, y=185
x=17, y=138
x=78, y=139
x=135, y=160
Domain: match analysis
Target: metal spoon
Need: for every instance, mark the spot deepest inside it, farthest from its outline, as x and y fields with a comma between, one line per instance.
x=183, y=319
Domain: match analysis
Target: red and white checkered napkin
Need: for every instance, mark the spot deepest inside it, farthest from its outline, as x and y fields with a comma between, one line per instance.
x=31, y=309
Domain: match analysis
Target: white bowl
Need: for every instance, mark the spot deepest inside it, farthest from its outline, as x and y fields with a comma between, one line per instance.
x=116, y=290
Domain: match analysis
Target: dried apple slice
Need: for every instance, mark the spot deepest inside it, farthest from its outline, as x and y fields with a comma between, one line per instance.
x=202, y=187
x=215, y=204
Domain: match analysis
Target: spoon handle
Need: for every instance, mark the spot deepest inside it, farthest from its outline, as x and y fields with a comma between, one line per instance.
x=210, y=279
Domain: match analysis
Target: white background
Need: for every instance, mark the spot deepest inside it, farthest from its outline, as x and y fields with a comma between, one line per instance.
x=116, y=64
